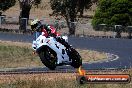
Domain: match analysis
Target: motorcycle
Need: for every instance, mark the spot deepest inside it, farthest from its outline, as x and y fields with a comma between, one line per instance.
x=52, y=53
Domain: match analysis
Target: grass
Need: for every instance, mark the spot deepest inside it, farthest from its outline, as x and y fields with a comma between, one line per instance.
x=16, y=54
x=52, y=80
x=90, y=55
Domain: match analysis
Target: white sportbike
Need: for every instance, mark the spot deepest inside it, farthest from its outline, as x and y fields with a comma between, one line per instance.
x=52, y=53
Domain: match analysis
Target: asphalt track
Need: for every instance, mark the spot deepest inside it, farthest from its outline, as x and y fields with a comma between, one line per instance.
x=120, y=47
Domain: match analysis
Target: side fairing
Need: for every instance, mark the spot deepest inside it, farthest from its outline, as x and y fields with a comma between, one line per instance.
x=58, y=48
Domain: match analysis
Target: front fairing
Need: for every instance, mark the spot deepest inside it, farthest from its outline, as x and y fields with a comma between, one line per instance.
x=40, y=41
x=35, y=37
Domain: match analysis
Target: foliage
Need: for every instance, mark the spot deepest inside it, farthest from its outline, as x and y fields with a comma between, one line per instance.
x=6, y=4
x=26, y=5
x=36, y=2
x=69, y=9
x=113, y=12
x=63, y=7
x=84, y=5
x=66, y=8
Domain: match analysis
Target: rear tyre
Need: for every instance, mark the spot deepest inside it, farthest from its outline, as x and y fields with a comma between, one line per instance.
x=76, y=58
x=48, y=58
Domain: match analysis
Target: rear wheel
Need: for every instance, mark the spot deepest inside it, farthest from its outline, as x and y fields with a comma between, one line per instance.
x=48, y=58
x=76, y=58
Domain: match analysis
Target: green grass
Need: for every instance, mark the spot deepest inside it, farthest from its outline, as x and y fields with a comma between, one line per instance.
x=16, y=56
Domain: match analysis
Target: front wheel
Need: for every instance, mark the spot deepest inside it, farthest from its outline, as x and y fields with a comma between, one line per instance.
x=48, y=58
x=76, y=58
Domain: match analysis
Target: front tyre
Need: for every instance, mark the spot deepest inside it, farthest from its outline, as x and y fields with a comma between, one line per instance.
x=76, y=58
x=48, y=58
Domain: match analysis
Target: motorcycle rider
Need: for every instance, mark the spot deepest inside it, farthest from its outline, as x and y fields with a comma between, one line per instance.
x=48, y=30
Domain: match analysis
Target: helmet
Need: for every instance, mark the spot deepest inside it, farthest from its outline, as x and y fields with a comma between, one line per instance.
x=35, y=25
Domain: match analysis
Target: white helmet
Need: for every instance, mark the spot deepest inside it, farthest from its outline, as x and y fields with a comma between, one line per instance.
x=35, y=24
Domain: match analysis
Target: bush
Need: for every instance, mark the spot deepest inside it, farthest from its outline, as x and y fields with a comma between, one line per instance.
x=113, y=12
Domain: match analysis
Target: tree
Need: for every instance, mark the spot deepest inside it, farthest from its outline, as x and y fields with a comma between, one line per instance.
x=82, y=5
x=113, y=12
x=25, y=7
x=6, y=4
x=68, y=9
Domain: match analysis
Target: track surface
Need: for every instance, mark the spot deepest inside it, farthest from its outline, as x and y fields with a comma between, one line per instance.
x=120, y=47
